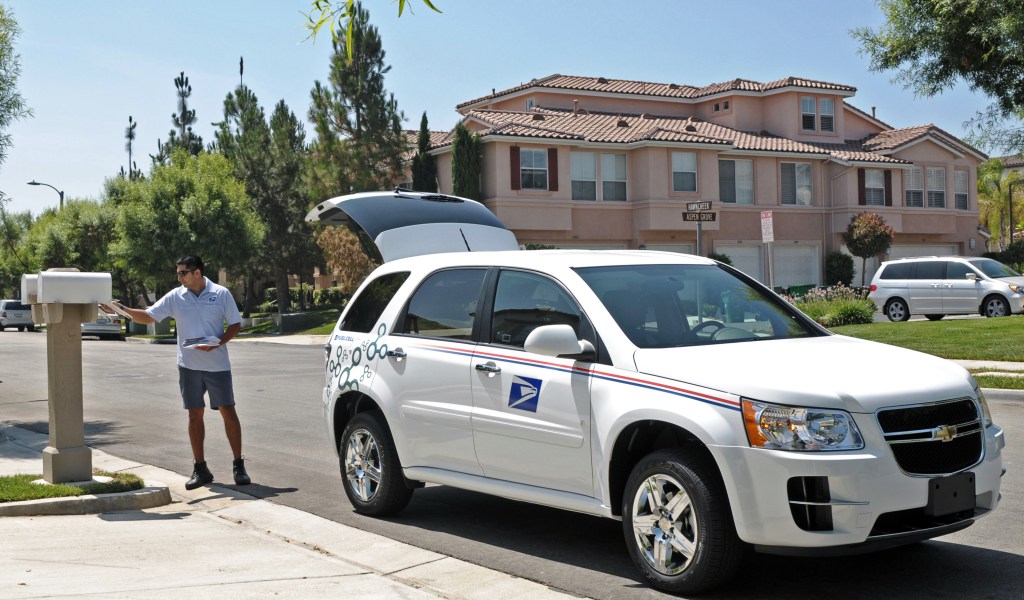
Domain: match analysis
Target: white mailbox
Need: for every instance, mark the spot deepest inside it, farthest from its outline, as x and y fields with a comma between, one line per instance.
x=72, y=287
x=29, y=288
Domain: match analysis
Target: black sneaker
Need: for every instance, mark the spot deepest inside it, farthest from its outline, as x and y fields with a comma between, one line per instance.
x=238, y=468
x=201, y=475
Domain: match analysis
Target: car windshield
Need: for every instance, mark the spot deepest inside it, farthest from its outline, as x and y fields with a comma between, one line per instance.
x=993, y=268
x=664, y=306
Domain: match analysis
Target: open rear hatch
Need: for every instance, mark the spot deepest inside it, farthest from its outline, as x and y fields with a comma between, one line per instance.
x=393, y=225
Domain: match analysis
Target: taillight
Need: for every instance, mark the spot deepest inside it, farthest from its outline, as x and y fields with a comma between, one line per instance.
x=873, y=288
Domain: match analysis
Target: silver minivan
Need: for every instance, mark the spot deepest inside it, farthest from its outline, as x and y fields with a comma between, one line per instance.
x=15, y=314
x=936, y=286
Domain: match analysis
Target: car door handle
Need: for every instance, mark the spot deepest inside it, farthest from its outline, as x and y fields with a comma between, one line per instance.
x=398, y=354
x=488, y=367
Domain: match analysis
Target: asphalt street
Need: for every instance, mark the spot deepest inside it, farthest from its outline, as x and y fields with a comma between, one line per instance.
x=132, y=409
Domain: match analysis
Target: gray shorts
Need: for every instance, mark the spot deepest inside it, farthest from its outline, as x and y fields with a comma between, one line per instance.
x=194, y=384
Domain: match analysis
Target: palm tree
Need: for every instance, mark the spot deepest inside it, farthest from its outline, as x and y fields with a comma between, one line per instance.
x=994, y=202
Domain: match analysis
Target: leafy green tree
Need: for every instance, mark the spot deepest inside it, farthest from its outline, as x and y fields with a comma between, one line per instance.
x=193, y=204
x=12, y=105
x=867, y=236
x=360, y=141
x=838, y=268
x=424, y=167
x=340, y=13
x=994, y=202
x=14, y=259
x=933, y=44
x=467, y=156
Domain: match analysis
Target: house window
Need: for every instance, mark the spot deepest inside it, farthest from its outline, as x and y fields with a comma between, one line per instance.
x=808, y=116
x=530, y=103
x=936, y=187
x=613, y=177
x=960, y=190
x=736, y=181
x=914, y=186
x=717, y=107
x=874, y=187
x=826, y=108
x=796, y=183
x=684, y=171
x=533, y=170
x=725, y=105
x=584, y=175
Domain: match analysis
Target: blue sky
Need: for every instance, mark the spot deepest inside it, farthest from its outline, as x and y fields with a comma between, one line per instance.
x=87, y=66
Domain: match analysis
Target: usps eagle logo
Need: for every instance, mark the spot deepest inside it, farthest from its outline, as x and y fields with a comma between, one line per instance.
x=525, y=393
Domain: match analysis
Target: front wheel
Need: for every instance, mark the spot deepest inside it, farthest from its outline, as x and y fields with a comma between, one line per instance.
x=677, y=523
x=370, y=467
x=995, y=306
x=897, y=310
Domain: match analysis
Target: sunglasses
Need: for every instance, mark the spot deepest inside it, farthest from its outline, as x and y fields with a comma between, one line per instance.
x=183, y=273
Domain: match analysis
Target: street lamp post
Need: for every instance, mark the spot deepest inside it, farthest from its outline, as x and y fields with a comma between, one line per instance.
x=34, y=182
x=1010, y=200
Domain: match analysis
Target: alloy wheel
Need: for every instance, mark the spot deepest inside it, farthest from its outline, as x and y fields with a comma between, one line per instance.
x=363, y=464
x=665, y=524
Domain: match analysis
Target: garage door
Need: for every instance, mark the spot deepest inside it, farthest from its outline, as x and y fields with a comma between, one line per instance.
x=908, y=250
x=681, y=248
x=745, y=257
x=796, y=264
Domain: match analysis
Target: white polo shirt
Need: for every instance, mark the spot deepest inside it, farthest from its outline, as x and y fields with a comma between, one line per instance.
x=199, y=316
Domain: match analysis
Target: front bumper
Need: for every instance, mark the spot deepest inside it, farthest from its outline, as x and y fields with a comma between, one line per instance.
x=868, y=494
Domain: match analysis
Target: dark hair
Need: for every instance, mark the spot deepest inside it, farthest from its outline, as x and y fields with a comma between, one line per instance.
x=192, y=262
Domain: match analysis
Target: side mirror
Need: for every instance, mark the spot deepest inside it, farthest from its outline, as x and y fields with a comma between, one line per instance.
x=972, y=276
x=556, y=340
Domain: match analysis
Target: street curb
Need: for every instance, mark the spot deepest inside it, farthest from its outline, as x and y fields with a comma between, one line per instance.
x=153, y=495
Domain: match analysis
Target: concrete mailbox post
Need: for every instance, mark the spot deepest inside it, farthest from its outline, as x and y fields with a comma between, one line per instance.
x=63, y=299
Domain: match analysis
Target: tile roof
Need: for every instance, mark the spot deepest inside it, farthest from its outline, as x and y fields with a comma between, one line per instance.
x=662, y=90
x=622, y=128
x=1016, y=160
x=412, y=136
x=895, y=138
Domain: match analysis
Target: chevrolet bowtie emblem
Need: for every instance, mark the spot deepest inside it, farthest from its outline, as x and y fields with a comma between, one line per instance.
x=945, y=433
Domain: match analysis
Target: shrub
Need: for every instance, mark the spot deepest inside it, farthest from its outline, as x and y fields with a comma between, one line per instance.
x=838, y=268
x=836, y=305
x=328, y=297
x=722, y=258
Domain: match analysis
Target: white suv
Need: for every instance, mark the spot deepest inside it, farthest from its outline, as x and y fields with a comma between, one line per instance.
x=668, y=391
x=936, y=286
x=15, y=314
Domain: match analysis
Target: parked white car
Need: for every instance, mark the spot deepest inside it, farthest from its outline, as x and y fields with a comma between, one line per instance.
x=936, y=286
x=14, y=314
x=106, y=326
x=669, y=391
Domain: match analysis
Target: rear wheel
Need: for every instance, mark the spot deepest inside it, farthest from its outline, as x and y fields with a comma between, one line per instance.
x=677, y=523
x=896, y=309
x=934, y=317
x=995, y=306
x=21, y=328
x=370, y=467
x=31, y=327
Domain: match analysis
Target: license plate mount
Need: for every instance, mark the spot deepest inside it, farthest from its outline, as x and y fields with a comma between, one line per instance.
x=953, y=494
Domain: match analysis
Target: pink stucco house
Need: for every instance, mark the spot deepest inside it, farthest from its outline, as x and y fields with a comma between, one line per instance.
x=590, y=162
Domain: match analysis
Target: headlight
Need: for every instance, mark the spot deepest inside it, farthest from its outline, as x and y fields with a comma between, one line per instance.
x=986, y=415
x=794, y=428
x=1016, y=289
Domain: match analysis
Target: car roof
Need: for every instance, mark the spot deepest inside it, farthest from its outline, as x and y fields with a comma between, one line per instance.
x=545, y=260
x=919, y=258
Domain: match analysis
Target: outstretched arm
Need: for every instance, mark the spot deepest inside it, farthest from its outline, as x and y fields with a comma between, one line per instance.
x=136, y=314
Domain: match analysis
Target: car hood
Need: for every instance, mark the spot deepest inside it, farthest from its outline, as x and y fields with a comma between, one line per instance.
x=827, y=372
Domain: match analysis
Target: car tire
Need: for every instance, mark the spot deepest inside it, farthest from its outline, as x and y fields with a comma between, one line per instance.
x=31, y=327
x=700, y=549
x=995, y=306
x=21, y=328
x=1, y=327
x=934, y=317
x=370, y=470
x=896, y=310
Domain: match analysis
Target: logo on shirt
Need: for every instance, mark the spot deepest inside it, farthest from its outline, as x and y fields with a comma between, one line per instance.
x=212, y=299
x=525, y=393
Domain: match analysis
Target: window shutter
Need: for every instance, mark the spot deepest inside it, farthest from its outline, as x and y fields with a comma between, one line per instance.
x=861, y=196
x=788, y=173
x=552, y=169
x=513, y=154
x=888, y=187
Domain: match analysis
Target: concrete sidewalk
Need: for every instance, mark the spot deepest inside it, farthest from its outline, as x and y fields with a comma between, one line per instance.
x=215, y=542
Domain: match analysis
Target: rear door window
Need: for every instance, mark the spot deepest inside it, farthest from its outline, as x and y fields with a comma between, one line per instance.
x=445, y=305
x=897, y=271
x=930, y=269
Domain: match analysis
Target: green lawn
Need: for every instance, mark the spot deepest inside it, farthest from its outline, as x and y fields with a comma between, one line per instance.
x=971, y=339
x=15, y=488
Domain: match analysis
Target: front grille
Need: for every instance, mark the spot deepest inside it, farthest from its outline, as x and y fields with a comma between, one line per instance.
x=934, y=439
